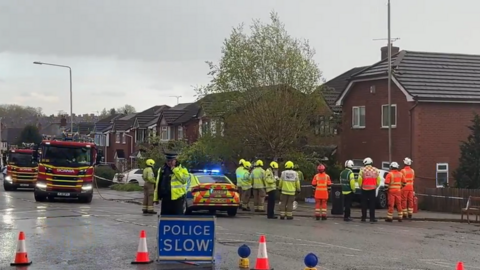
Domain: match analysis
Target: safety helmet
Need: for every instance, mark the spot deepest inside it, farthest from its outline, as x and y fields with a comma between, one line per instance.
x=349, y=164
x=407, y=161
x=247, y=165
x=394, y=165
x=150, y=162
x=289, y=165
x=367, y=161
x=274, y=165
x=296, y=167
x=321, y=168
x=241, y=161
x=259, y=163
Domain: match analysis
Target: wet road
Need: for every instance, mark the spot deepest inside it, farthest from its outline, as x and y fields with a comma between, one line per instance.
x=104, y=235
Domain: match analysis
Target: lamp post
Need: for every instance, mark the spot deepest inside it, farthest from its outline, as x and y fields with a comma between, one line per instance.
x=71, y=94
x=389, y=87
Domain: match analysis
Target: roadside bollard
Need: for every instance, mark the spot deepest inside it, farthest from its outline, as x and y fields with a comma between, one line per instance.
x=244, y=252
x=311, y=260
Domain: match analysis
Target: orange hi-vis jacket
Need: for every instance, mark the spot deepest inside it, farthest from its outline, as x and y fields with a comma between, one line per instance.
x=395, y=180
x=321, y=182
x=409, y=174
x=369, y=178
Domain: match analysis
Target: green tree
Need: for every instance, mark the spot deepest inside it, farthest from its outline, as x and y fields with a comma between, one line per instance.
x=30, y=134
x=104, y=113
x=112, y=111
x=265, y=84
x=156, y=149
x=467, y=175
x=126, y=109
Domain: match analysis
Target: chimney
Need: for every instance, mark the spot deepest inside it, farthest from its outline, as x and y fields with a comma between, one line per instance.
x=63, y=121
x=384, y=51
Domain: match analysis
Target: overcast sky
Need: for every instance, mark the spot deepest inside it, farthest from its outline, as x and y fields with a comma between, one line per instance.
x=143, y=52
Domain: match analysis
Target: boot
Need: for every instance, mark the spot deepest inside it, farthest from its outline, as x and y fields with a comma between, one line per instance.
x=374, y=220
x=274, y=217
x=289, y=218
x=151, y=212
x=324, y=218
x=399, y=219
x=388, y=220
x=145, y=211
x=245, y=208
x=282, y=217
x=317, y=218
x=347, y=219
x=410, y=216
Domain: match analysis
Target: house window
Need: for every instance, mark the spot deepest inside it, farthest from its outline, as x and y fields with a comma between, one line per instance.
x=442, y=175
x=385, y=165
x=180, y=133
x=385, y=116
x=358, y=117
x=124, y=138
x=164, y=133
x=117, y=137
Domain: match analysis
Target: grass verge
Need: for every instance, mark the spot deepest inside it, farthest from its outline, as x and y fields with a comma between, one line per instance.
x=126, y=187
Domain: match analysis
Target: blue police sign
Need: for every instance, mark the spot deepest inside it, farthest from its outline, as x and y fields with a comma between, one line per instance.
x=186, y=238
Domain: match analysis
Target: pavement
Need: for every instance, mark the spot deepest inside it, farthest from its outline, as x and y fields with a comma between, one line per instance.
x=104, y=235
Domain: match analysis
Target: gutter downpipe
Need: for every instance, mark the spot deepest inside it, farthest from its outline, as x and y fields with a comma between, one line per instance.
x=410, y=114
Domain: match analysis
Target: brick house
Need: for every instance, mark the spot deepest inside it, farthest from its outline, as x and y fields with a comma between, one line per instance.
x=433, y=95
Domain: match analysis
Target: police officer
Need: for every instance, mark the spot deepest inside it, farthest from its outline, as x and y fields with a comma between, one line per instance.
x=148, y=187
x=271, y=188
x=347, y=180
x=258, y=178
x=368, y=180
x=171, y=187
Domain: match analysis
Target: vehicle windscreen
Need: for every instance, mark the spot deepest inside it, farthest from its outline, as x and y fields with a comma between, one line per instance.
x=21, y=159
x=66, y=156
x=209, y=179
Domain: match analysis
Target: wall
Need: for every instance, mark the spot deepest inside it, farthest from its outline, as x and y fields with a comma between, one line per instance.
x=190, y=130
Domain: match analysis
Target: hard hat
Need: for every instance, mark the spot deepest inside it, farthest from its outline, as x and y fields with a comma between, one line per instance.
x=367, y=161
x=321, y=168
x=407, y=161
x=274, y=165
x=394, y=165
x=259, y=163
x=150, y=162
x=349, y=164
x=247, y=164
x=289, y=165
x=241, y=161
x=296, y=167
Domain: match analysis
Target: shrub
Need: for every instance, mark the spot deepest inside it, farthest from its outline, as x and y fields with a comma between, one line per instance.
x=126, y=187
x=104, y=172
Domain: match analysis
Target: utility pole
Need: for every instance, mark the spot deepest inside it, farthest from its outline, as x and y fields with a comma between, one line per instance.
x=178, y=98
x=389, y=88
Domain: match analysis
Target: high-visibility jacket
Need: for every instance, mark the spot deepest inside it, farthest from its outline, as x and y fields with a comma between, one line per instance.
x=409, y=174
x=239, y=173
x=301, y=177
x=347, y=180
x=258, y=177
x=289, y=182
x=246, y=180
x=321, y=182
x=178, y=181
x=369, y=178
x=148, y=175
x=394, y=181
x=270, y=181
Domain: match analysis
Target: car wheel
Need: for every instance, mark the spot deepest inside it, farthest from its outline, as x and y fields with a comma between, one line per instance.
x=382, y=201
x=232, y=211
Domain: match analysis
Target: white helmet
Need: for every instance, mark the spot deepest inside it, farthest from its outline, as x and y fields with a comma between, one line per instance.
x=407, y=161
x=349, y=164
x=367, y=161
x=394, y=165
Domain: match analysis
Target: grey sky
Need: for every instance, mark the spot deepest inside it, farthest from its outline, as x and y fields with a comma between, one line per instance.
x=142, y=52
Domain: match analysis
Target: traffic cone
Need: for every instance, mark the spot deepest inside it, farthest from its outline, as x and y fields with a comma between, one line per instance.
x=21, y=257
x=460, y=266
x=262, y=257
x=142, y=251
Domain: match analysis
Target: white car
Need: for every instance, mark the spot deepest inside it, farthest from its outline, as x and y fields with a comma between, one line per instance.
x=131, y=176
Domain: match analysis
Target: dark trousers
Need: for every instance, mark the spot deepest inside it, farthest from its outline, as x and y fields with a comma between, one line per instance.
x=172, y=207
x=347, y=203
x=271, y=203
x=368, y=201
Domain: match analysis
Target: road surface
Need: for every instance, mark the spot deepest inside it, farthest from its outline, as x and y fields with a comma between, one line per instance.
x=104, y=235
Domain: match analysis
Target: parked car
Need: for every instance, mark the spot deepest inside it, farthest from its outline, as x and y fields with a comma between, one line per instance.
x=380, y=192
x=132, y=176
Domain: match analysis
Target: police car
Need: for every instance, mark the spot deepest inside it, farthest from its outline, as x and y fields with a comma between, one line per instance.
x=212, y=191
x=380, y=192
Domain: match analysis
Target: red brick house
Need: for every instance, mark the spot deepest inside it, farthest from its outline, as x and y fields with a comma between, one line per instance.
x=434, y=96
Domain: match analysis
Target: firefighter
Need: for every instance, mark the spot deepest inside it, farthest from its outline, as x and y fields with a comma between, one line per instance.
x=246, y=186
x=368, y=180
x=149, y=187
x=171, y=187
x=301, y=176
x=257, y=177
x=288, y=185
x=394, y=181
x=321, y=184
x=408, y=190
x=239, y=173
x=347, y=180
x=271, y=182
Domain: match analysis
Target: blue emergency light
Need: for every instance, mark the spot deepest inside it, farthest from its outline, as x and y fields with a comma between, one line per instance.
x=211, y=171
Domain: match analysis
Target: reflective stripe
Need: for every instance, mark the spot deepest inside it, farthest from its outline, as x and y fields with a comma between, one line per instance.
x=369, y=176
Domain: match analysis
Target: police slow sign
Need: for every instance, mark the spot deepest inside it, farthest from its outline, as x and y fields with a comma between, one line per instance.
x=182, y=238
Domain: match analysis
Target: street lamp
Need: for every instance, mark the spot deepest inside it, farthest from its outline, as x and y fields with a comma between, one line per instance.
x=71, y=94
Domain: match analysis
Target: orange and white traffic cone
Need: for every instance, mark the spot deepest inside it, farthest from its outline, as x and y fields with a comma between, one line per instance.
x=460, y=266
x=262, y=256
x=21, y=257
x=142, y=251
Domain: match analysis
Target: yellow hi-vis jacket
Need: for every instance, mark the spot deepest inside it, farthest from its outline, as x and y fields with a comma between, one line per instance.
x=258, y=177
x=178, y=183
x=246, y=180
x=240, y=172
x=289, y=182
x=148, y=175
x=270, y=180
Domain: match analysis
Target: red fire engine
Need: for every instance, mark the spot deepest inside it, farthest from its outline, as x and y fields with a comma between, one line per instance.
x=65, y=169
x=21, y=169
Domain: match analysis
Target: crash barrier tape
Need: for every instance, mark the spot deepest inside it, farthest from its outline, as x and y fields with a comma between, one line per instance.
x=439, y=196
x=110, y=180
